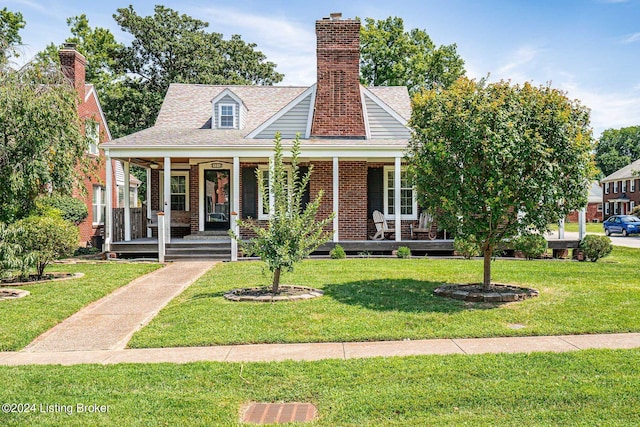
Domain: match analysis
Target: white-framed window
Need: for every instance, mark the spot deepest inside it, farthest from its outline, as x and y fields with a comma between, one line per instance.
x=179, y=190
x=606, y=208
x=98, y=205
x=92, y=131
x=599, y=207
x=408, y=202
x=632, y=187
x=133, y=196
x=624, y=186
x=227, y=116
x=632, y=205
x=606, y=188
x=616, y=208
x=615, y=186
x=263, y=209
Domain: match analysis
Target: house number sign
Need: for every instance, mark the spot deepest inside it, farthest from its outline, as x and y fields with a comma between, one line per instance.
x=216, y=165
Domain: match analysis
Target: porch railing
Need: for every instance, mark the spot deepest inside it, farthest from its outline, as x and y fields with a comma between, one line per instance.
x=138, y=223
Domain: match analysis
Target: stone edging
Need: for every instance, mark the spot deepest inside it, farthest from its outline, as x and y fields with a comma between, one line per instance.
x=35, y=282
x=236, y=294
x=6, y=294
x=498, y=293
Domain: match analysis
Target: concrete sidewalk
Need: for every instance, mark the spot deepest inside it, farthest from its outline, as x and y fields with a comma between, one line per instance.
x=319, y=351
x=109, y=323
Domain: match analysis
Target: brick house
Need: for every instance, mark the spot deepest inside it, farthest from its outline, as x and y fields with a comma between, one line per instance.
x=594, y=205
x=95, y=125
x=210, y=139
x=621, y=191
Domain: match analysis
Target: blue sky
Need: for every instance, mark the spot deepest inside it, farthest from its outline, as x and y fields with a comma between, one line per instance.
x=589, y=48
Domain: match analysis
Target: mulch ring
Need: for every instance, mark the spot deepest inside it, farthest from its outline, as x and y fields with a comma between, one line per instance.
x=33, y=279
x=6, y=294
x=473, y=292
x=264, y=294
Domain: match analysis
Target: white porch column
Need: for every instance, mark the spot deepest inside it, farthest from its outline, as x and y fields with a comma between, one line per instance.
x=127, y=202
x=396, y=199
x=561, y=229
x=161, y=236
x=582, y=223
x=235, y=201
x=149, y=231
x=108, y=221
x=167, y=200
x=336, y=199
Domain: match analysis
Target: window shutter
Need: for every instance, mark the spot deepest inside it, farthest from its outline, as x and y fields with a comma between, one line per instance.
x=249, y=193
x=306, y=197
x=375, y=190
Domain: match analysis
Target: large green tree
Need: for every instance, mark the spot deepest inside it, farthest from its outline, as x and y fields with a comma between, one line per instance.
x=42, y=147
x=617, y=148
x=10, y=25
x=494, y=161
x=391, y=56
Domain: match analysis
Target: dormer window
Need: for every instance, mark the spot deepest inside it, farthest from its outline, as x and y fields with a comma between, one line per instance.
x=227, y=116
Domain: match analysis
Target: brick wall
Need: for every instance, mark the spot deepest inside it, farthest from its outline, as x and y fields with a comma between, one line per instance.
x=155, y=189
x=353, y=200
x=194, y=199
x=592, y=214
x=322, y=179
x=338, y=106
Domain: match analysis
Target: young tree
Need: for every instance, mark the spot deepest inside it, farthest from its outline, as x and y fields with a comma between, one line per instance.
x=617, y=148
x=293, y=231
x=499, y=160
x=391, y=56
x=42, y=147
x=10, y=25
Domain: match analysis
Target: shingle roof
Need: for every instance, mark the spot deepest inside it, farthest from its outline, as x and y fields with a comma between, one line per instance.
x=185, y=115
x=626, y=172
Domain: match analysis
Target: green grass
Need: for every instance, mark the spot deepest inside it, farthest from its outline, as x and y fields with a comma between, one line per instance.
x=391, y=299
x=592, y=227
x=22, y=320
x=586, y=388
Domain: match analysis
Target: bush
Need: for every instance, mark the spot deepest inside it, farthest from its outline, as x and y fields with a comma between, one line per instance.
x=468, y=248
x=531, y=245
x=70, y=208
x=337, y=252
x=45, y=238
x=404, y=252
x=636, y=211
x=595, y=247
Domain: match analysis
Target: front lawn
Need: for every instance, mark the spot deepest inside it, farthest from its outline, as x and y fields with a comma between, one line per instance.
x=391, y=299
x=22, y=320
x=598, y=387
x=592, y=227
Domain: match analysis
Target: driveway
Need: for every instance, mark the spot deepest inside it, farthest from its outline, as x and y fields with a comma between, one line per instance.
x=616, y=239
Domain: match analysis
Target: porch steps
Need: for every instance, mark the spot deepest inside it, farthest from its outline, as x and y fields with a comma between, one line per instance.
x=208, y=235
x=199, y=250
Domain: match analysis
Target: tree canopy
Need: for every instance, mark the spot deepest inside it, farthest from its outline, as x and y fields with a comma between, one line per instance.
x=41, y=139
x=391, y=56
x=10, y=25
x=617, y=148
x=498, y=160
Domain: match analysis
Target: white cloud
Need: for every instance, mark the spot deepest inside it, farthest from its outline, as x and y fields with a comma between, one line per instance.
x=521, y=57
x=288, y=43
x=630, y=38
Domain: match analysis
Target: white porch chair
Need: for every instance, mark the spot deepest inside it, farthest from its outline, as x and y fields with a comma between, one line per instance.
x=382, y=228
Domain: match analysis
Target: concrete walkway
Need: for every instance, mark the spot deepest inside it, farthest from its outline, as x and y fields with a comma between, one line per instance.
x=348, y=350
x=109, y=323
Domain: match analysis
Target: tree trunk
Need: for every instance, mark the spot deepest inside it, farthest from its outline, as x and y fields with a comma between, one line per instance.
x=276, y=281
x=486, y=281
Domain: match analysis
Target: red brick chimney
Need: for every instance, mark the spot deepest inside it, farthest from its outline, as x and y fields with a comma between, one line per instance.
x=73, y=67
x=338, y=106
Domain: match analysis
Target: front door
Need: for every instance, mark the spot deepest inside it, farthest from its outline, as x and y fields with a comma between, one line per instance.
x=216, y=199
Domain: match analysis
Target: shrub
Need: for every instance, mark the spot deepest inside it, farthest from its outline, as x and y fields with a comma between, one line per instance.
x=404, y=252
x=595, y=247
x=636, y=211
x=468, y=248
x=45, y=238
x=337, y=252
x=70, y=208
x=531, y=245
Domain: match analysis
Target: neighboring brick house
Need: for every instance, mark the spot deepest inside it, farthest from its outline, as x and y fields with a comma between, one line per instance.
x=621, y=191
x=95, y=125
x=594, y=205
x=210, y=139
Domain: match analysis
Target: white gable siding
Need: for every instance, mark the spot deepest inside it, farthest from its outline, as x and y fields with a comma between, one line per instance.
x=227, y=100
x=383, y=125
x=292, y=122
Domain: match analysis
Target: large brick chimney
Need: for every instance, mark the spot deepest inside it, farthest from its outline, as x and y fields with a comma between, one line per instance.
x=338, y=107
x=73, y=67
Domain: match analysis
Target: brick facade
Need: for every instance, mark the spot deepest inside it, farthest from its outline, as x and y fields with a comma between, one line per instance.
x=322, y=179
x=353, y=200
x=338, y=106
x=618, y=197
x=194, y=197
